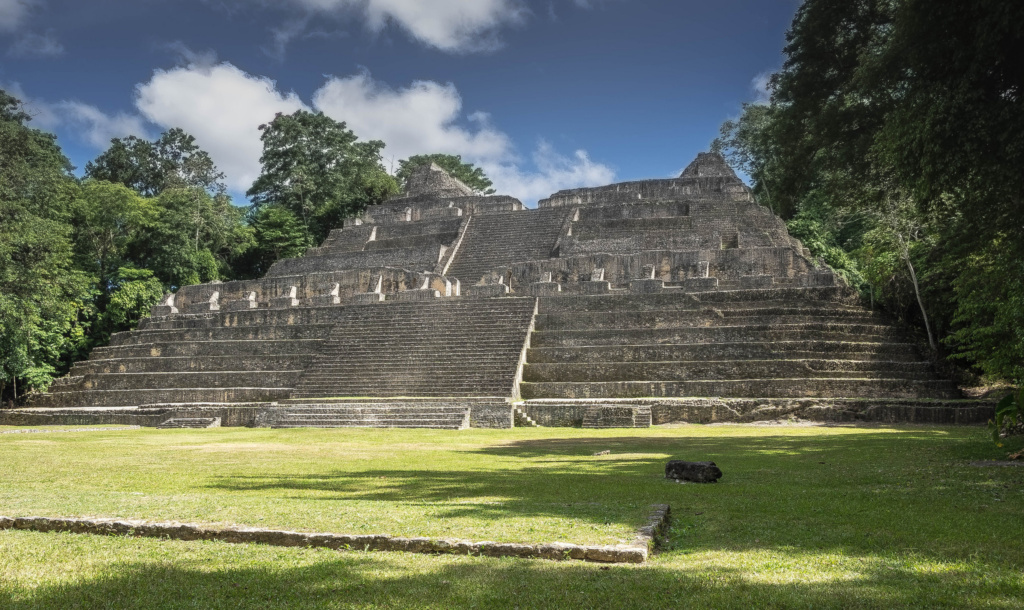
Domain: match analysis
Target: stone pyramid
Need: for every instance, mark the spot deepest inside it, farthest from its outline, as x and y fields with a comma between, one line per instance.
x=635, y=303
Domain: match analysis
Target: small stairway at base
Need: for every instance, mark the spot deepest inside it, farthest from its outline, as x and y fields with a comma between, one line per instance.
x=190, y=422
x=521, y=420
x=373, y=415
x=617, y=416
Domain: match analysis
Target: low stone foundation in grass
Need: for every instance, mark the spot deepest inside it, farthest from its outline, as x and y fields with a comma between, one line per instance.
x=636, y=551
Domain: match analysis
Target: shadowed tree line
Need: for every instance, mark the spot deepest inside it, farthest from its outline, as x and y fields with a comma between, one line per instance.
x=893, y=144
x=82, y=258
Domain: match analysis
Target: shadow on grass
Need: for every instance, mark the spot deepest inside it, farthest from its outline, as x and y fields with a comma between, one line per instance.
x=831, y=483
x=327, y=579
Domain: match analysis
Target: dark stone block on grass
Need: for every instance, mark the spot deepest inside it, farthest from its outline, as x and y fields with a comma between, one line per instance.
x=694, y=472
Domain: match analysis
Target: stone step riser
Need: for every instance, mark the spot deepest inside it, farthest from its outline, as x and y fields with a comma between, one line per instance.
x=682, y=371
x=286, y=317
x=756, y=388
x=129, y=398
x=253, y=333
x=192, y=364
x=152, y=381
x=696, y=318
x=695, y=335
x=739, y=298
x=298, y=347
x=897, y=352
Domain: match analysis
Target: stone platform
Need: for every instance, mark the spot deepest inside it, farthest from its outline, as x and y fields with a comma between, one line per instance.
x=633, y=304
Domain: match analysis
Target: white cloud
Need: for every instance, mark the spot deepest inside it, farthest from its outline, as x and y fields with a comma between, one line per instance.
x=759, y=85
x=554, y=172
x=420, y=118
x=13, y=13
x=448, y=25
x=36, y=45
x=222, y=107
x=423, y=118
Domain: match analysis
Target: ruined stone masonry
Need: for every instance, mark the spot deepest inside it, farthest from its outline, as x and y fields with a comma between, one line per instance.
x=625, y=305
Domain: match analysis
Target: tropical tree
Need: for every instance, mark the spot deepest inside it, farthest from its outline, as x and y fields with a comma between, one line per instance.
x=317, y=168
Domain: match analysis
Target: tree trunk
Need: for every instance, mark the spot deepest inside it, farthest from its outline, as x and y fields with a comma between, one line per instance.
x=917, y=292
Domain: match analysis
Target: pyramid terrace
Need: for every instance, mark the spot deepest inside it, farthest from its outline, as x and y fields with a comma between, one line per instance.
x=627, y=305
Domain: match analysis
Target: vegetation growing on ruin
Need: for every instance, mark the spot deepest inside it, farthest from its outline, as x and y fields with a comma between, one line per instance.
x=825, y=516
x=892, y=144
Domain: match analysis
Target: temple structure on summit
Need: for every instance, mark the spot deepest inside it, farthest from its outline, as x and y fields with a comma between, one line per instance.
x=631, y=304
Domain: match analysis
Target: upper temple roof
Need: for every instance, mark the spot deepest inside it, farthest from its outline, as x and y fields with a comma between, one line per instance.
x=431, y=180
x=708, y=165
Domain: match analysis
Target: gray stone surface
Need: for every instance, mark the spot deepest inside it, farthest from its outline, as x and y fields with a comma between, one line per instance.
x=682, y=291
x=637, y=551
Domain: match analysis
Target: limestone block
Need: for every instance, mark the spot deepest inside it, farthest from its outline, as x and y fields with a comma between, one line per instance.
x=702, y=268
x=289, y=299
x=487, y=290
x=162, y=310
x=352, y=222
x=329, y=299
x=646, y=286
x=598, y=287
x=249, y=302
x=697, y=284
x=757, y=281
x=415, y=295
x=544, y=289
x=363, y=298
x=820, y=278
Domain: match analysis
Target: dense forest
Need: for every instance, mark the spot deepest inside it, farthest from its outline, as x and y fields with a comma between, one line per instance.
x=892, y=144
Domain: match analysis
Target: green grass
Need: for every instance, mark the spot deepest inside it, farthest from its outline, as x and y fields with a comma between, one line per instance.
x=823, y=517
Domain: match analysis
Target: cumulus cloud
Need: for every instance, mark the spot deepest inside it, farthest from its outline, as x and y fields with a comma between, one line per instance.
x=36, y=45
x=760, y=86
x=413, y=120
x=424, y=118
x=222, y=107
x=448, y=25
x=13, y=13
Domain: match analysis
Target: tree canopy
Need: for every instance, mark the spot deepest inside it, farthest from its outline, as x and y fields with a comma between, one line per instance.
x=318, y=169
x=893, y=143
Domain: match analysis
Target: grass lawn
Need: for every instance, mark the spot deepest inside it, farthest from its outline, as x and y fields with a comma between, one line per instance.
x=804, y=516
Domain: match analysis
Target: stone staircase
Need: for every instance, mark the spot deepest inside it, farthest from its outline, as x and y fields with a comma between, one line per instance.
x=735, y=344
x=355, y=414
x=249, y=356
x=190, y=422
x=521, y=419
x=447, y=348
x=497, y=240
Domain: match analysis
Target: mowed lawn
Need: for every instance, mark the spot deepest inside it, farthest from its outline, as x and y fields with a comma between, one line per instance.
x=875, y=516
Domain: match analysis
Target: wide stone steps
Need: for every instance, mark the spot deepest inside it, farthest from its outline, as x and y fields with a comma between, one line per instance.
x=368, y=415
x=723, y=369
x=497, y=240
x=715, y=334
x=227, y=333
x=190, y=422
x=193, y=363
x=274, y=347
x=452, y=348
x=191, y=379
x=795, y=350
x=746, y=388
x=688, y=319
x=136, y=397
x=706, y=315
x=818, y=296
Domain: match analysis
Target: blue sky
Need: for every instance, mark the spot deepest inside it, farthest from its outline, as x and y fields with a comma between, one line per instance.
x=544, y=94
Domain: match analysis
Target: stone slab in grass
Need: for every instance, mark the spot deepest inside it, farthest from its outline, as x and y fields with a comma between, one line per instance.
x=634, y=552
